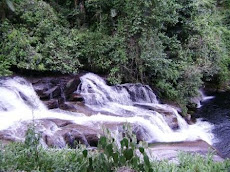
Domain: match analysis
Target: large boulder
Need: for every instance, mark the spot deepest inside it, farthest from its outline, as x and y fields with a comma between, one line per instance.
x=167, y=111
x=60, y=133
x=51, y=104
x=170, y=151
x=139, y=92
x=71, y=86
x=55, y=86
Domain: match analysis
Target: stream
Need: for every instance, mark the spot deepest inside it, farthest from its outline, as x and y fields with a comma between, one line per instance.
x=110, y=107
x=217, y=112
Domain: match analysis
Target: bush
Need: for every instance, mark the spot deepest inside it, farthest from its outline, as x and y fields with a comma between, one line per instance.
x=129, y=41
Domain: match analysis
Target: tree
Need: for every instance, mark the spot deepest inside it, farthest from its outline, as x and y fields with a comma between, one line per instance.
x=3, y=6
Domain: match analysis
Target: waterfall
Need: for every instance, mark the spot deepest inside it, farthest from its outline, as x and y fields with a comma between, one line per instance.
x=19, y=102
x=201, y=98
x=135, y=104
x=204, y=97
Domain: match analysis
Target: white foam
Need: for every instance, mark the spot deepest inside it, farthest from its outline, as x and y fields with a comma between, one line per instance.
x=19, y=102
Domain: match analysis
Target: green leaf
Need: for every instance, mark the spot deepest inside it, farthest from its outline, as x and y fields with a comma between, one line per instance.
x=125, y=142
x=115, y=157
x=85, y=153
x=103, y=142
x=146, y=160
x=141, y=149
x=122, y=160
x=128, y=154
x=90, y=161
x=109, y=149
x=135, y=161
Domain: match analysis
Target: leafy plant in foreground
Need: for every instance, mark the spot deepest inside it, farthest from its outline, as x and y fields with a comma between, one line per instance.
x=111, y=155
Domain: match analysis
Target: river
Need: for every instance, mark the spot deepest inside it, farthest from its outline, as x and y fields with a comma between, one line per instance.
x=113, y=106
x=217, y=112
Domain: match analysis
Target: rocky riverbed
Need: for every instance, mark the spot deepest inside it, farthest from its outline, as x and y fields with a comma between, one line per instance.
x=75, y=109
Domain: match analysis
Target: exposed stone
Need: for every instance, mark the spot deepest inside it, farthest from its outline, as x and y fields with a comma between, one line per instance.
x=60, y=122
x=55, y=86
x=75, y=97
x=165, y=110
x=59, y=133
x=51, y=104
x=6, y=137
x=71, y=86
x=139, y=92
x=83, y=134
x=170, y=151
x=195, y=102
x=68, y=107
x=140, y=133
x=55, y=133
x=78, y=107
x=56, y=141
x=125, y=169
x=189, y=120
x=52, y=93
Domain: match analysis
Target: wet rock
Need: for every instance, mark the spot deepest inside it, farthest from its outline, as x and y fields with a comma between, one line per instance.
x=125, y=169
x=189, y=120
x=55, y=141
x=61, y=123
x=55, y=86
x=67, y=107
x=75, y=97
x=6, y=137
x=78, y=107
x=41, y=87
x=71, y=86
x=139, y=92
x=13, y=135
x=74, y=137
x=84, y=134
x=165, y=110
x=195, y=102
x=140, y=133
x=52, y=93
x=55, y=133
x=46, y=92
x=51, y=104
x=170, y=151
x=92, y=139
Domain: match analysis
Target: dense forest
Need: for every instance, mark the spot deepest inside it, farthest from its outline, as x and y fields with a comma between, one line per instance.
x=175, y=46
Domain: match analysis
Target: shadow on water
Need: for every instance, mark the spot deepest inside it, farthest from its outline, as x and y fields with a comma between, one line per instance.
x=217, y=112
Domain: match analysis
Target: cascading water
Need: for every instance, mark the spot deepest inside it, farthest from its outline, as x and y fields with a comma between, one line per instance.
x=114, y=105
x=217, y=112
x=137, y=104
x=201, y=98
x=19, y=102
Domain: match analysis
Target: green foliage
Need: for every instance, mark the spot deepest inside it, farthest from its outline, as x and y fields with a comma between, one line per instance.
x=129, y=41
x=38, y=41
x=196, y=162
x=110, y=156
x=4, y=66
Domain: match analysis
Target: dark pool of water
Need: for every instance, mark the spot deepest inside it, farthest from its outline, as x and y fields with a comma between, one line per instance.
x=217, y=112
